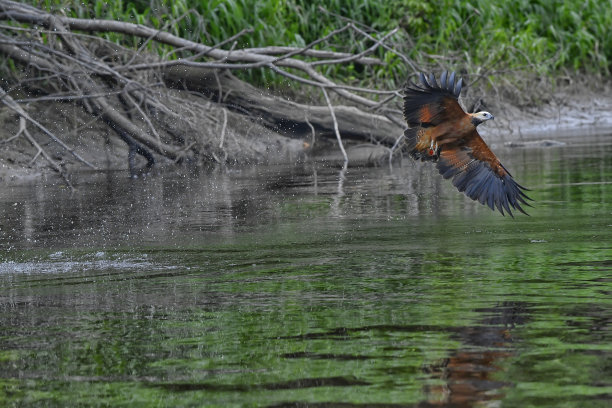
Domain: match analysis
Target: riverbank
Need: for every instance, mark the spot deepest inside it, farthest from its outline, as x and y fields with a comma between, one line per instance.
x=572, y=115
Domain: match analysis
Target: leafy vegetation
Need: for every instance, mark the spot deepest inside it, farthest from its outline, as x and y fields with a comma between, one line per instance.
x=547, y=37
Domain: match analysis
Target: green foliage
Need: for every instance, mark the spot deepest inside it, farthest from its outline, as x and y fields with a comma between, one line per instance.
x=549, y=35
x=543, y=36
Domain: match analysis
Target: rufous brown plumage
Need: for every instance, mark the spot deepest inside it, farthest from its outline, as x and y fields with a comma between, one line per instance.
x=442, y=132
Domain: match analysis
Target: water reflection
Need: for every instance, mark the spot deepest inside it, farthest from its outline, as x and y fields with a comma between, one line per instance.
x=111, y=209
x=309, y=286
x=285, y=385
x=468, y=372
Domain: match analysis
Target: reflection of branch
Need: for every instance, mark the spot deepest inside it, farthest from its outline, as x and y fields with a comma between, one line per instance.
x=340, y=190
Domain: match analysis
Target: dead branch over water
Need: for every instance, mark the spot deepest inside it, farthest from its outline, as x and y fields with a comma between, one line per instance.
x=131, y=91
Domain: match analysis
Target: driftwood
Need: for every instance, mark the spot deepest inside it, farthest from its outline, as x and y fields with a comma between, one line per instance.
x=123, y=87
x=285, y=116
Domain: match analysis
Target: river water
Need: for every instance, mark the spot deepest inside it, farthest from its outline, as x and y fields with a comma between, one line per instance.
x=310, y=286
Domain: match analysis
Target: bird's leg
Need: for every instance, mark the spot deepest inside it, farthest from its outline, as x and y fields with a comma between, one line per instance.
x=433, y=148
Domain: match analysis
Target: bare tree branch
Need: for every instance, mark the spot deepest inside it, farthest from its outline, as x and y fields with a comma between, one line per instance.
x=128, y=88
x=9, y=102
x=336, y=130
x=247, y=60
x=23, y=116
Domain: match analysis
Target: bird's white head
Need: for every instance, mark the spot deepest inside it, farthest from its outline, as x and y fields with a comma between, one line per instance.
x=479, y=117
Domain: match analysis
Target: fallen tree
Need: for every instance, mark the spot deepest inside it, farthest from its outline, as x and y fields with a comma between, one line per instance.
x=131, y=91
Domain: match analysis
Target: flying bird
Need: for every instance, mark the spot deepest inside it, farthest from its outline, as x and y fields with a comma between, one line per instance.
x=442, y=132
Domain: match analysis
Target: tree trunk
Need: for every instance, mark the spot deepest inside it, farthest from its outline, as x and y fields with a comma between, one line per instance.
x=282, y=115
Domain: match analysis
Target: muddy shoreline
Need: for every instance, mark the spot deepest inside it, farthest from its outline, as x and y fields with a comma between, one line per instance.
x=578, y=116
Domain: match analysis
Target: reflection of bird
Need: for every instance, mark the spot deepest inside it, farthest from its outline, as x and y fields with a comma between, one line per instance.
x=442, y=132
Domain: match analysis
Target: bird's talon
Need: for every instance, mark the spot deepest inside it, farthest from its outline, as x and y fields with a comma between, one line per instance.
x=433, y=148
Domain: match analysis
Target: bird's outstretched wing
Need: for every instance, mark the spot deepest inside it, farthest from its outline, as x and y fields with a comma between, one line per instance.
x=430, y=103
x=442, y=132
x=478, y=173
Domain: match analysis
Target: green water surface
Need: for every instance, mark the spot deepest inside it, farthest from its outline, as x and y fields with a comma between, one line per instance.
x=310, y=286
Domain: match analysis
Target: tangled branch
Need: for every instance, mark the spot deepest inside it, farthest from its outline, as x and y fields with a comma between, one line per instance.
x=123, y=87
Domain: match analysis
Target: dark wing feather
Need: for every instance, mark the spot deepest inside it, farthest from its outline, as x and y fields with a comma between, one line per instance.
x=458, y=87
x=443, y=80
x=429, y=104
x=477, y=172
